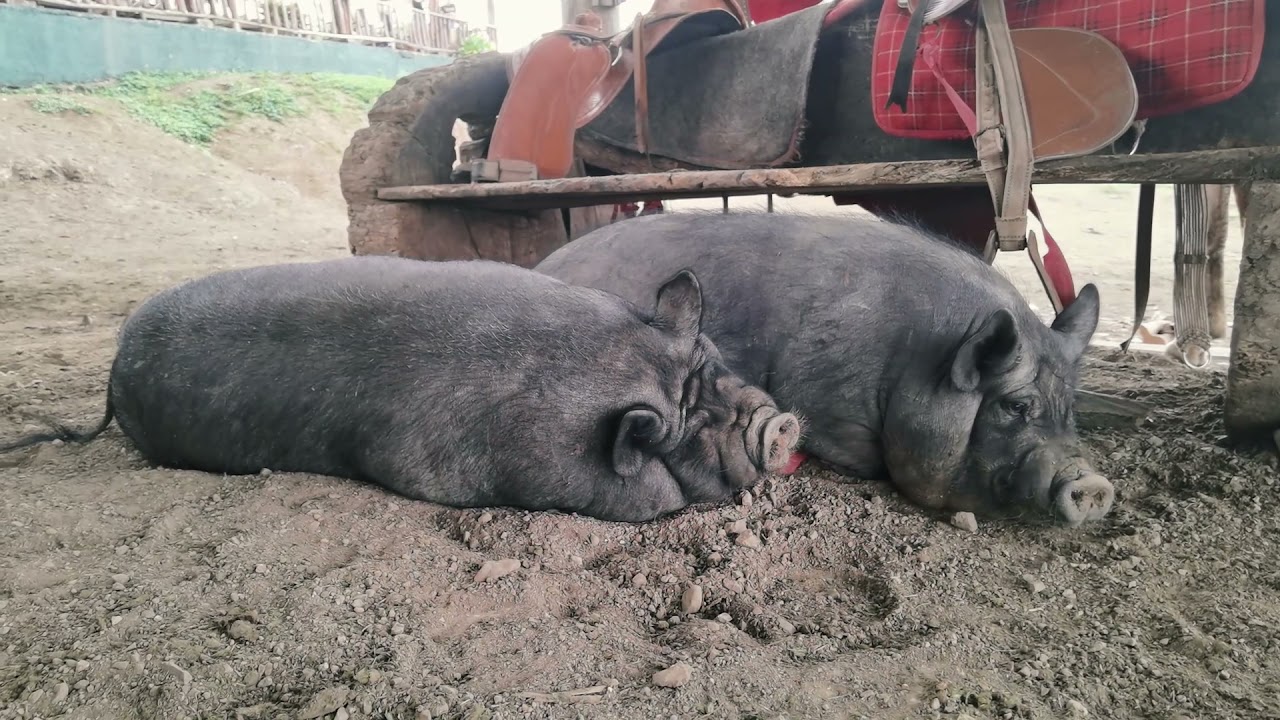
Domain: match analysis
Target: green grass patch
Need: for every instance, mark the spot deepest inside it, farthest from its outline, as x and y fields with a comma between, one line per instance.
x=57, y=104
x=193, y=107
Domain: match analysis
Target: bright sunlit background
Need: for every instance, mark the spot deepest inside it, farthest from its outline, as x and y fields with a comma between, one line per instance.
x=520, y=22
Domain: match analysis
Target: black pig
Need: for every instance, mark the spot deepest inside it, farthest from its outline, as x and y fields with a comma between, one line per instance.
x=906, y=354
x=461, y=383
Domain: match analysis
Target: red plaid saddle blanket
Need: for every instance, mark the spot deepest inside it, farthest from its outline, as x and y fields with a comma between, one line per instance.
x=1183, y=55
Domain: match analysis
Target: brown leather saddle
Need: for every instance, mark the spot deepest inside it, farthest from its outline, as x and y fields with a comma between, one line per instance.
x=1042, y=94
x=568, y=77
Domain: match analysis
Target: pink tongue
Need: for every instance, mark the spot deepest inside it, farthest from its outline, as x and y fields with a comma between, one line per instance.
x=797, y=459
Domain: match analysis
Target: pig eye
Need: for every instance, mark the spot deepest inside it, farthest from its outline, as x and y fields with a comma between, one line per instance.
x=1016, y=407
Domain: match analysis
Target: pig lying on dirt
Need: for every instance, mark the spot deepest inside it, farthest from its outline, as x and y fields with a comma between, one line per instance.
x=905, y=354
x=462, y=383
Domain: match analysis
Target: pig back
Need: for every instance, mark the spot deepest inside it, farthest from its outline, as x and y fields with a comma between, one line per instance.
x=362, y=367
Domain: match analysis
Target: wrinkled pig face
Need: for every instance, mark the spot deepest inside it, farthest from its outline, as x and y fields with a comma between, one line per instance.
x=735, y=430
x=1023, y=456
x=710, y=431
x=993, y=432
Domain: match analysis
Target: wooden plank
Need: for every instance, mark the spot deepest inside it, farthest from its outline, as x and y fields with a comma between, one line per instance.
x=1206, y=166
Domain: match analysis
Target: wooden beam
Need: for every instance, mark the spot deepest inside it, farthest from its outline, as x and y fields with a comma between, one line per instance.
x=1205, y=166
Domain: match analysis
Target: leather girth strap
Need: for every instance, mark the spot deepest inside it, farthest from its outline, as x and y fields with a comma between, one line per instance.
x=640, y=81
x=1142, y=267
x=1004, y=140
x=1084, y=99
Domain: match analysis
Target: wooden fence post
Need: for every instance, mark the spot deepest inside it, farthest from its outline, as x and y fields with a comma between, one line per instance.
x=1253, y=381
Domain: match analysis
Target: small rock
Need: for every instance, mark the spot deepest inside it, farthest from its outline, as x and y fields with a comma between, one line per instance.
x=342, y=714
x=965, y=521
x=747, y=539
x=397, y=629
x=486, y=518
x=736, y=527
x=640, y=580
x=121, y=578
x=691, y=600
x=60, y=693
x=182, y=675
x=1077, y=708
x=324, y=702
x=674, y=676
x=35, y=696
x=260, y=569
x=732, y=585
x=422, y=713
x=1035, y=586
x=725, y=618
x=492, y=570
x=785, y=627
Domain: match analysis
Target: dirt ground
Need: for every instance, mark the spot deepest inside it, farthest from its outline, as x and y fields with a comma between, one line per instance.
x=131, y=592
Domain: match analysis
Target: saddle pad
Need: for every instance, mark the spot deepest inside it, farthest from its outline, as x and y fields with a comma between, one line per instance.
x=1183, y=54
x=715, y=103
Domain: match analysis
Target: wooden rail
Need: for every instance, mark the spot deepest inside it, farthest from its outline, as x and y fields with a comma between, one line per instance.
x=410, y=30
x=1205, y=166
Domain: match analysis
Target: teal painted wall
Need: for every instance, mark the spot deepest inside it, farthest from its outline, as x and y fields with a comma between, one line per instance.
x=53, y=46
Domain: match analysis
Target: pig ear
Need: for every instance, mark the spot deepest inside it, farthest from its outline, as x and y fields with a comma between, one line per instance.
x=1077, y=323
x=986, y=352
x=638, y=432
x=679, y=306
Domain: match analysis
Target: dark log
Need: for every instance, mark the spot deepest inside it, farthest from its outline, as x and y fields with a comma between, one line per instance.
x=410, y=140
x=1099, y=411
x=1253, y=380
x=1199, y=167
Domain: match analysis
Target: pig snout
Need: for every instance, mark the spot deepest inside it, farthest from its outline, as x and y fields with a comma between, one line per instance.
x=1086, y=497
x=771, y=438
x=1066, y=487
